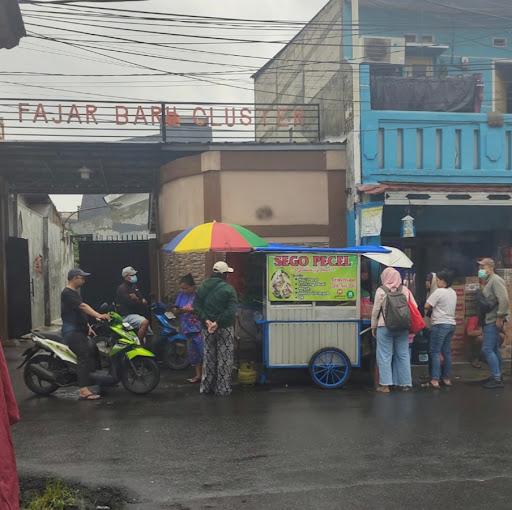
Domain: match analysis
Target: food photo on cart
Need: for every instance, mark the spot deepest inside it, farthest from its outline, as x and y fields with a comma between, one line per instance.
x=299, y=308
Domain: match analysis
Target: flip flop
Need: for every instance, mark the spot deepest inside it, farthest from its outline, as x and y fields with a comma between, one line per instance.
x=91, y=396
x=430, y=386
x=193, y=380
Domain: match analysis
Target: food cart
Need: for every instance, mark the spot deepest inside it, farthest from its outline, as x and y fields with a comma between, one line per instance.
x=309, y=305
x=311, y=310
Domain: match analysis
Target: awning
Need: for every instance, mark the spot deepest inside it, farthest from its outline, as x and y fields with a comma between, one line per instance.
x=286, y=248
x=386, y=255
x=424, y=50
x=431, y=194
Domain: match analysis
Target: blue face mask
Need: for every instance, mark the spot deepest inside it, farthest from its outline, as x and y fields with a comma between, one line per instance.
x=482, y=274
x=133, y=279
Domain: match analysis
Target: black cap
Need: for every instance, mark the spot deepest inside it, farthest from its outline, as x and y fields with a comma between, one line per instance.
x=76, y=272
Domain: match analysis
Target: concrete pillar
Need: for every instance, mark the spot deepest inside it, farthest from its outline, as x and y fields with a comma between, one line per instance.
x=46, y=274
x=4, y=234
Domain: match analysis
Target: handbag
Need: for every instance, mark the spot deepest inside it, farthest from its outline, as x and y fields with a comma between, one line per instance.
x=417, y=322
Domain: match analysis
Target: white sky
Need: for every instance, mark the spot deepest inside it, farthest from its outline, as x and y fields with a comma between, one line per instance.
x=39, y=55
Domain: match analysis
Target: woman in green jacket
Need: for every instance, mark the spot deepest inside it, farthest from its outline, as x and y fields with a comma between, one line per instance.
x=215, y=305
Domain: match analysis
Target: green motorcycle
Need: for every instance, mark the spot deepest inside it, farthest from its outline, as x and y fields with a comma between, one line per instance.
x=50, y=364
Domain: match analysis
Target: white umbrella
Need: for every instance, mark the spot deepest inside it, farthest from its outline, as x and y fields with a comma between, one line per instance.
x=395, y=258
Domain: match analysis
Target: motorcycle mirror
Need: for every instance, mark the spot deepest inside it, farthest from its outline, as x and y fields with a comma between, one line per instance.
x=104, y=308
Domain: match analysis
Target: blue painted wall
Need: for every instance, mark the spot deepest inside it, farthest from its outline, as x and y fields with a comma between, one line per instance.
x=436, y=147
x=432, y=147
x=466, y=37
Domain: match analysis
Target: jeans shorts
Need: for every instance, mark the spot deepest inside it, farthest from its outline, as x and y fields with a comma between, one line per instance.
x=135, y=320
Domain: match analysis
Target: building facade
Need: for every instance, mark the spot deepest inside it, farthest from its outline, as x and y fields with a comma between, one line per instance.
x=287, y=194
x=422, y=93
x=426, y=110
x=39, y=255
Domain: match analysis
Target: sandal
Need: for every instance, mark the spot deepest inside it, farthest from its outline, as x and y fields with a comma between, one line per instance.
x=447, y=382
x=90, y=396
x=194, y=380
x=383, y=389
x=429, y=385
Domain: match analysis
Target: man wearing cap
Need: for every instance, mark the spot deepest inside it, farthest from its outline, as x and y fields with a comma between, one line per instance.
x=131, y=304
x=75, y=329
x=495, y=292
x=215, y=305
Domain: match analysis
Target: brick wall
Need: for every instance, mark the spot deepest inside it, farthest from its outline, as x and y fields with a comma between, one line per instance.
x=176, y=266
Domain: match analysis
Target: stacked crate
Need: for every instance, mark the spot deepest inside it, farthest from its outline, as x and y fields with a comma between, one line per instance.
x=458, y=347
x=506, y=351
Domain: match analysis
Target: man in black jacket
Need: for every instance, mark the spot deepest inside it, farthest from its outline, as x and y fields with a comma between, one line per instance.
x=131, y=304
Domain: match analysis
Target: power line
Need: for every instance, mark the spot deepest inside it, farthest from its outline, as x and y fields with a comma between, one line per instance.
x=260, y=20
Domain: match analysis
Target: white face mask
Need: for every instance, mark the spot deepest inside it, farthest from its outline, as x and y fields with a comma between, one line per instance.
x=133, y=279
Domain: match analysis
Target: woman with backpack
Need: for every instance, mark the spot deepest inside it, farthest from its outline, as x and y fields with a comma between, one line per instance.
x=391, y=320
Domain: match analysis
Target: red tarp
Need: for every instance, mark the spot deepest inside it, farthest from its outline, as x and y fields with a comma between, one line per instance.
x=9, y=415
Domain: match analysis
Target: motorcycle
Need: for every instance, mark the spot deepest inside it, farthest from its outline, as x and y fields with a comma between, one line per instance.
x=170, y=346
x=50, y=364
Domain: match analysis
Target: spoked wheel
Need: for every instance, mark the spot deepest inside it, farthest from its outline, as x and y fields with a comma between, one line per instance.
x=329, y=368
x=176, y=356
x=34, y=380
x=140, y=375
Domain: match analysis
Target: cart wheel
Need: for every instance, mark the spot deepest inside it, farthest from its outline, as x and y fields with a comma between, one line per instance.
x=329, y=368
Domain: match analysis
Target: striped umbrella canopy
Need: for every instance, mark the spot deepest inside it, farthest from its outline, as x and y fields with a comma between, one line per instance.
x=215, y=236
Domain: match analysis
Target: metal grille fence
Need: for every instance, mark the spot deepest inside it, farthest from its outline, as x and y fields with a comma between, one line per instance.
x=166, y=122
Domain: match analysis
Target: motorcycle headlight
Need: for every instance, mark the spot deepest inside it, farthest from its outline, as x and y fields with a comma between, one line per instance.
x=127, y=326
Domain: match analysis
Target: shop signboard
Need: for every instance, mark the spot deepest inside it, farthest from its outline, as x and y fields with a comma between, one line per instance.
x=371, y=221
x=312, y=277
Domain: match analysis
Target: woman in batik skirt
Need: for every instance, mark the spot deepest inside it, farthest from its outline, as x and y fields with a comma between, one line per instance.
x=216, y=306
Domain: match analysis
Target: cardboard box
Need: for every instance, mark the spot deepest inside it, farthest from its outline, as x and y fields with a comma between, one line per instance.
x=506, y=274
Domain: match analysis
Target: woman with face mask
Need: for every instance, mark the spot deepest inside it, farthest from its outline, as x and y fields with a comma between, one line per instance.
x=392, y=342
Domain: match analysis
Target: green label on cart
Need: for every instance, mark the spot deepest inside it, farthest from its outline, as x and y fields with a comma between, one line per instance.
x=312, y=277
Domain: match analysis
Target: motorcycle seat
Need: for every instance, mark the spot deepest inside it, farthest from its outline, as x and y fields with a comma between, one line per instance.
x=56, y=337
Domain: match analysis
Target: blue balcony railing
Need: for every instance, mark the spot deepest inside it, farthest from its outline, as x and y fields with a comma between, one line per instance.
x=433, y=147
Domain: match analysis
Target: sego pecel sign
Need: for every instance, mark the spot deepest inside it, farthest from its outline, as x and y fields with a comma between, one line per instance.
x=132, y=114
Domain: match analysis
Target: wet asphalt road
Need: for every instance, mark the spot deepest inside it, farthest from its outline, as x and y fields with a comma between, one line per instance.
x=279, y=448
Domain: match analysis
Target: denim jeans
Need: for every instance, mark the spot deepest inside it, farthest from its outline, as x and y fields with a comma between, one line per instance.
x=491, y=349
x=393, y=344
x=396, y=363
x=441, y=342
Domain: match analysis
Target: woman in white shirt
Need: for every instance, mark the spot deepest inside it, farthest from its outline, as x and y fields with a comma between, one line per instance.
x=443, y=303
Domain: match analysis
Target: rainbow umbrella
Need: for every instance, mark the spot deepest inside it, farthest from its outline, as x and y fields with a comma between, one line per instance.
x=214, y=236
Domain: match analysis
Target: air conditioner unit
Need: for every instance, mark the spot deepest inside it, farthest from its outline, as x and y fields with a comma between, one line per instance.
x=384, y=50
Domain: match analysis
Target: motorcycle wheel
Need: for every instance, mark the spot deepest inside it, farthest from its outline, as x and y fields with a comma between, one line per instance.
x=33, y=382
x=141, y=375
x=176, y=356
